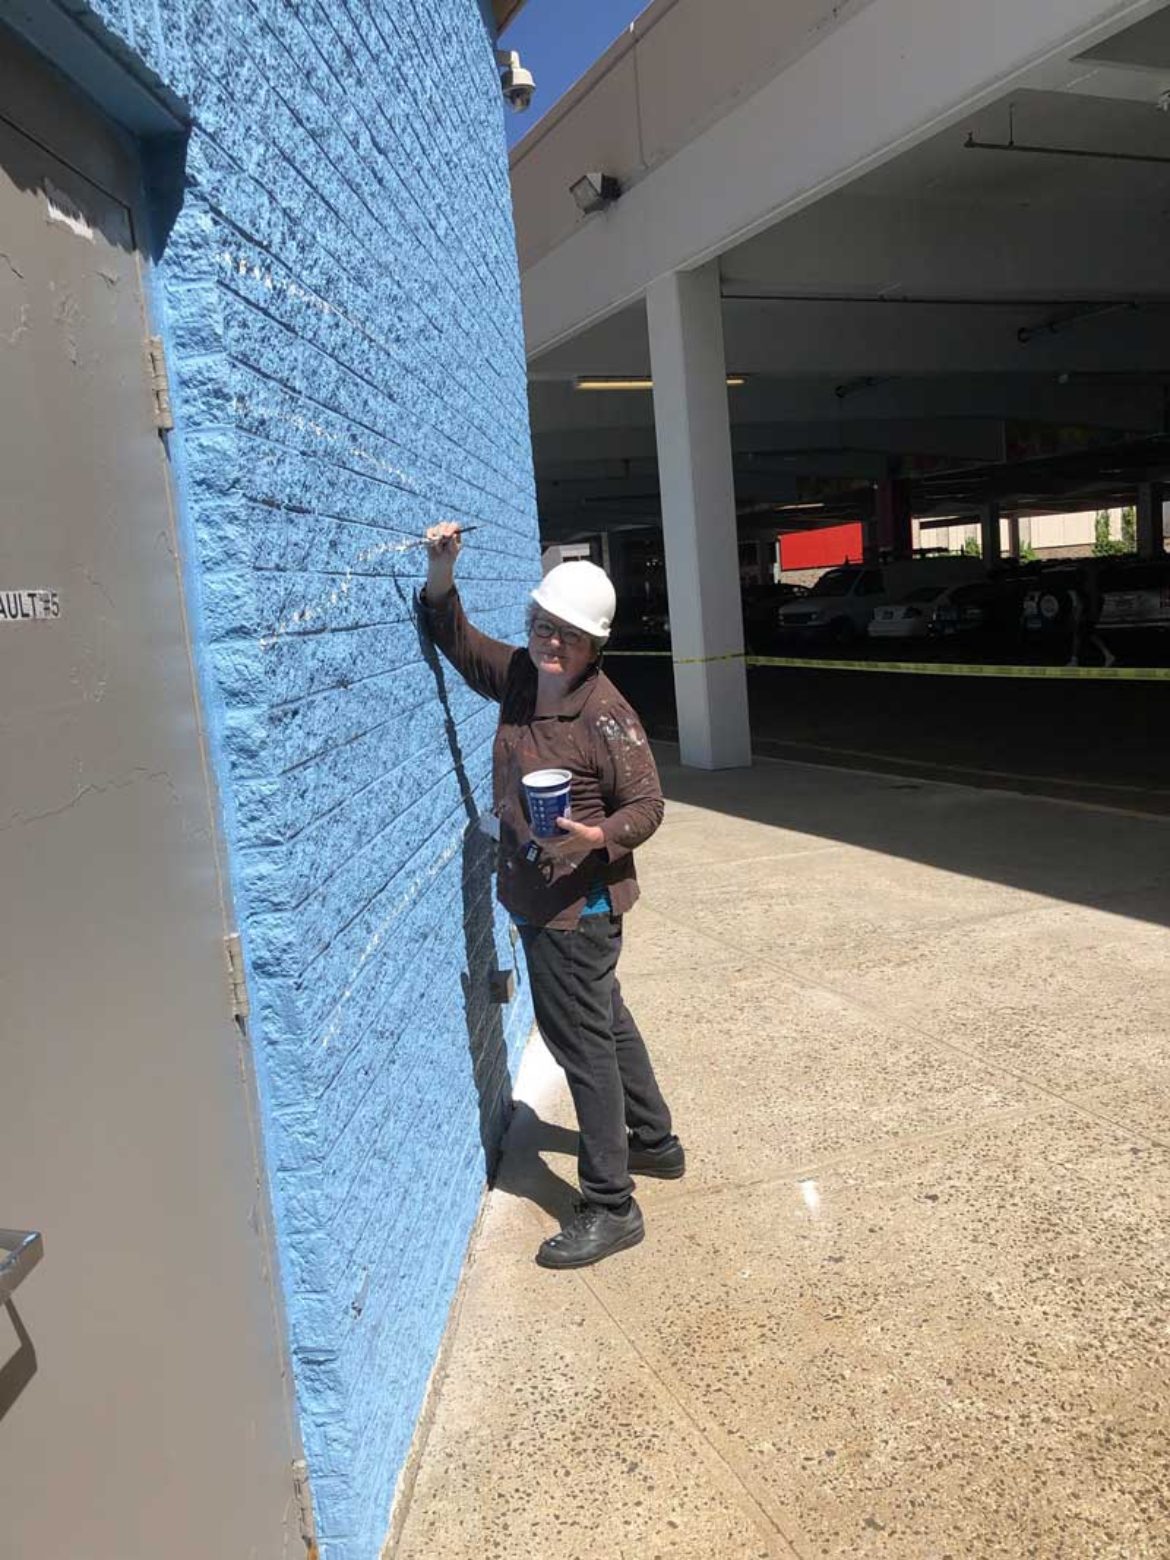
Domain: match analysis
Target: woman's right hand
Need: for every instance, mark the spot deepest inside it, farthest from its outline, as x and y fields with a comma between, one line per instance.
x=443, y=544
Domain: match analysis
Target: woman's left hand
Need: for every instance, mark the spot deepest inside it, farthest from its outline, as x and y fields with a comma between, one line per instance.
x=578, y=839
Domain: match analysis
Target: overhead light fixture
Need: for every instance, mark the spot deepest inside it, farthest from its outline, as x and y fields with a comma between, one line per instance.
x=595, y=191
x=633, y=382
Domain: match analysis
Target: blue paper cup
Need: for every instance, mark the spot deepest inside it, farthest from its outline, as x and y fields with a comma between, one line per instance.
x=547, y=792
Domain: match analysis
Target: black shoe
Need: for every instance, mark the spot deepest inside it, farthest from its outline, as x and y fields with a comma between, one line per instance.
x=595, y=1233
x=668, y=1162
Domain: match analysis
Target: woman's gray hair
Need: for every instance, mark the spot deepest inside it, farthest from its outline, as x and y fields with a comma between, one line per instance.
x=595, y=644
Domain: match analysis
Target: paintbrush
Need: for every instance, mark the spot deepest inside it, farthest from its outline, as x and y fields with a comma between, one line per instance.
x=421, y=541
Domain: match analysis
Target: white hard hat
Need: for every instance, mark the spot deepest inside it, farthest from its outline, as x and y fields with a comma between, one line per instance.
x=581, y=594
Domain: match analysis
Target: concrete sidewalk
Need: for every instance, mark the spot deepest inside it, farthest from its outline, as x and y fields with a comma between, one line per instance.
x=911, y=1299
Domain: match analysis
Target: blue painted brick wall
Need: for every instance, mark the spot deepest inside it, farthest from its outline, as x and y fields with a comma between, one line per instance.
x=341, y=300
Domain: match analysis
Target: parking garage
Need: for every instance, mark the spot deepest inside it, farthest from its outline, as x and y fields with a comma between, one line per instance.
x=944, y=367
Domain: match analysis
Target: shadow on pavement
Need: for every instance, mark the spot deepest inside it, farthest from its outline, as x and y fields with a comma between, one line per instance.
x=1074, y=853
x=521, y=1172
x=1101, y=742
x=19, y=1369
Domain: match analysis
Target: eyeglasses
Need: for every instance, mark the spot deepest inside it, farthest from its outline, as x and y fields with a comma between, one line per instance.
x=545, y=628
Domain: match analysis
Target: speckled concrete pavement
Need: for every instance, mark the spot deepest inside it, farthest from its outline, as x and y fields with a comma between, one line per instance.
x=911, y=1299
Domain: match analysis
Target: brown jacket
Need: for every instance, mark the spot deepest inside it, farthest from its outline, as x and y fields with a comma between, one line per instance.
x=595, y=735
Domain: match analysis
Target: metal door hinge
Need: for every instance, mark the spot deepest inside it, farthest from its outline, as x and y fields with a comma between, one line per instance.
x=304, y=1500
x=160, y=387
x=239, y=983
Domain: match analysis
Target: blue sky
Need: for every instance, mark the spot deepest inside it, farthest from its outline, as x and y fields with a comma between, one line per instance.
x=558, y=40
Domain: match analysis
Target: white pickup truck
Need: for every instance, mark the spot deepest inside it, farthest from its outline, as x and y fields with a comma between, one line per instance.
x=842, y=602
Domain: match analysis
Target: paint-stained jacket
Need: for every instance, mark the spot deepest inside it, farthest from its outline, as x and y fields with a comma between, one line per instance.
x=594, y=734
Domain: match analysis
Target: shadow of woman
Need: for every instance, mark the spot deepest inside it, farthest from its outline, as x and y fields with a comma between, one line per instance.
x=21, y=1367
x=515, y=1167
x=483, y=1014
x=521, y=1172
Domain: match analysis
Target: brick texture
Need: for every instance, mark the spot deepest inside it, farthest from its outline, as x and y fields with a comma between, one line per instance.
x=341, y=300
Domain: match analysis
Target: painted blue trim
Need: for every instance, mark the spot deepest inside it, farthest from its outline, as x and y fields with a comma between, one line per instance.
x=94, y=59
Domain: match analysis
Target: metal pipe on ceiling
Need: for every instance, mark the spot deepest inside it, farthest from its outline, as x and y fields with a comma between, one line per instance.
x=945, y=303
x=972, y=145
x=1068, y=318
x=865, y=382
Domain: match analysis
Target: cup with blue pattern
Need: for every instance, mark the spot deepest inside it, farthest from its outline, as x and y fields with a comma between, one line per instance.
x=547, y=792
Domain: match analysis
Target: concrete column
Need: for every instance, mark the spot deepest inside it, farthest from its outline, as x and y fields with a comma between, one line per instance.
x=1013, y=527
x=869, y=530
x=989, y=532
x=1150, y=536
x=617, y=568
x=685, y=320
x=765, y=558
x=895, y=531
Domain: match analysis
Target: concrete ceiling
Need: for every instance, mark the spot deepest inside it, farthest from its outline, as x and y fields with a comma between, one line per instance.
x=504, y=11
x=924, y=313
x=1145, y=45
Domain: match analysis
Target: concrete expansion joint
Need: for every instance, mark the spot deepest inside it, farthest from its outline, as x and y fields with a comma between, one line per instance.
x=1046, y=1095
x=683, y=1201
x=716, y=1448
x=742, y=861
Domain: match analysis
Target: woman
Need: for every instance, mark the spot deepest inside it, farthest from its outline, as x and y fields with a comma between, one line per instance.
x=568, y=895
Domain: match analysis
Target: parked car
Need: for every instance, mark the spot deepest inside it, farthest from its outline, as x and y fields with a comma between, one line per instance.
x=985, y=609
x=761, y=613
x=1134, y=596
x=1055, y=598
x=911, y=617
x=654, y=622
x=641, y=622
x=842, y=602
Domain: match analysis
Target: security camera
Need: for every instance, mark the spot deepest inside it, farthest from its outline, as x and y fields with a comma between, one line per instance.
x=516, y=83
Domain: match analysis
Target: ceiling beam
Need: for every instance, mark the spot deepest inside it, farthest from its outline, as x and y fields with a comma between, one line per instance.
x=902, y=70
x=1132, y=401
x=504, y=11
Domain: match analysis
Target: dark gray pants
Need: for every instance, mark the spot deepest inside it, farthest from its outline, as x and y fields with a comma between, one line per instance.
x=592, y=1035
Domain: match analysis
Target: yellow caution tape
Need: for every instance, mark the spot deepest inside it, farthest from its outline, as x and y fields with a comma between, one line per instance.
x=692, y=660
x=928, y=668
x=666, y=653
x=939, y=669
